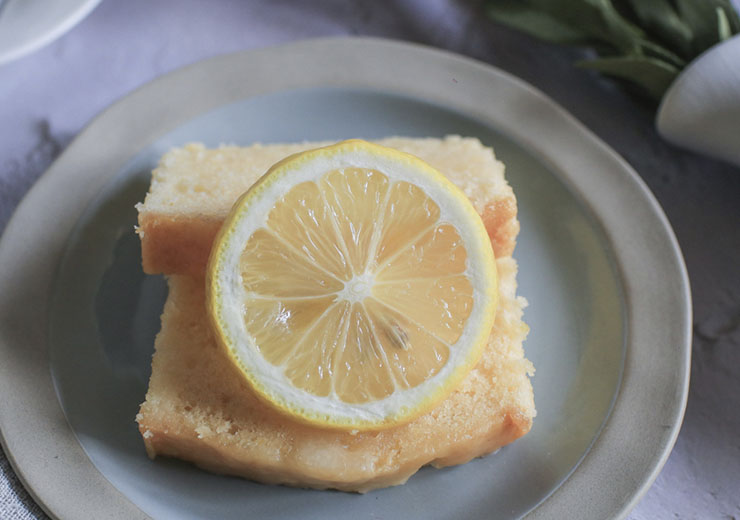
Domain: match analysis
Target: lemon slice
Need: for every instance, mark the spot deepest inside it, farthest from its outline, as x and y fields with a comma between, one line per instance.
x=353, y=286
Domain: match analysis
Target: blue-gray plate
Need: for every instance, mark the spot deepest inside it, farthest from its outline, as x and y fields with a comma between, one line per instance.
x=609, y=306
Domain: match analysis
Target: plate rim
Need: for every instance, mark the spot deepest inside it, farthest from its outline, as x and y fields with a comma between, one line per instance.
x=31, y=363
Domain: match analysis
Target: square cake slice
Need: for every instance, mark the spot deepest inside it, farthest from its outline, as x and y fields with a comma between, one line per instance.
x=198, y=408
x=193, y=189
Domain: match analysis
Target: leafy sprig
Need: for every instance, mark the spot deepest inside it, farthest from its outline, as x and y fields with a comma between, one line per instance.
x=643, y=42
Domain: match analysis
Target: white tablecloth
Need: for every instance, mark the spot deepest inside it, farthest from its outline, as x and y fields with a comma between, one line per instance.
x=46, y=99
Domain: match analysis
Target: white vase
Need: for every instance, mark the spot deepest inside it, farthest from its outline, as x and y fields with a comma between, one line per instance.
x=701, y=109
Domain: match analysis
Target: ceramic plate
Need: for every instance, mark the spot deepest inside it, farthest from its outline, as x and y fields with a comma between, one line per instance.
x=609, y=304
x=26, y=25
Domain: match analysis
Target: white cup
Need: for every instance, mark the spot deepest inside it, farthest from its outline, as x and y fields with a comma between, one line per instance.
x=701, y=109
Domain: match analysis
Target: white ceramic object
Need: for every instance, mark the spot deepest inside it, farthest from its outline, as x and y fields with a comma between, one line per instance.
x=26, y=25
x=701, y=109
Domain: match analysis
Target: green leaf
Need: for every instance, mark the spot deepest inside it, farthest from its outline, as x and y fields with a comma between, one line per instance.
x=658, y=51
x=643, y=42
x=701, y=16
x=518, y=15
x=568, y=21
x=598, y=18
x=653, y=76
x=723, y=25
x=733, y=17
x=660, y=19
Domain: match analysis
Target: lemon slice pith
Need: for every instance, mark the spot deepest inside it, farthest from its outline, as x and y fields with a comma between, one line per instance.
x=353, y=286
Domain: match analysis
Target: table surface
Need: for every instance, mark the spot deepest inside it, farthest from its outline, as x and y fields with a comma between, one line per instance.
x=49, y=96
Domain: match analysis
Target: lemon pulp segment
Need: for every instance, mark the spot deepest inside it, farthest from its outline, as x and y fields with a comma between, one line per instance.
x=359, y=295
x=355, y=288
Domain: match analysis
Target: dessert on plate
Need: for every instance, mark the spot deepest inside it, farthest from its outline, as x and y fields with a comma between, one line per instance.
x=373, y=331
